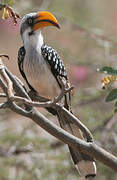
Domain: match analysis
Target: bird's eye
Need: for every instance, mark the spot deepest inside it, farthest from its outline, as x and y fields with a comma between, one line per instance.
x=30, y=21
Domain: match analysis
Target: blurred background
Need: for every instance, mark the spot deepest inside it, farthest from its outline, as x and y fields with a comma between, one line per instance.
x=86, y=41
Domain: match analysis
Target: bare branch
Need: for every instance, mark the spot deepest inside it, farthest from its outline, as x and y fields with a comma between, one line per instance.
x=78, y=123
x=4, y=105
x=89, y=148
x=4, y=87
x=3, y=95
x=17, y=86
x=82, y=146
x=31, y=103
x=70, y=116
x=7, y=79
x=41, y=104
x=4, y=55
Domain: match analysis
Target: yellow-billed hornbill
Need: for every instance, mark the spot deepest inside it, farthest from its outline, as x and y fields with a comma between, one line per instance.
x=43, y=70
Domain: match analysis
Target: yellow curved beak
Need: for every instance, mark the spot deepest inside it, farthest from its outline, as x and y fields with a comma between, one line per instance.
x=43, y=19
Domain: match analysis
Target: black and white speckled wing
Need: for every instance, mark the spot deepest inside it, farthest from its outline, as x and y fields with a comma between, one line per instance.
x=21, y=56
x=54, y=60
x=57, y=68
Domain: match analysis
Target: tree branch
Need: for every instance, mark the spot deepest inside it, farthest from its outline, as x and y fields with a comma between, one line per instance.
x=89, y=148
x=28, y=101
x=2, y=95
x=82, y=146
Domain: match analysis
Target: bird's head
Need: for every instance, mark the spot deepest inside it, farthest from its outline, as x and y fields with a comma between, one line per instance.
x=33, y=22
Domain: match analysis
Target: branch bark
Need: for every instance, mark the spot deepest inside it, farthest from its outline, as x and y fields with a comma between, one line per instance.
x=90, y=148
x=22, y=93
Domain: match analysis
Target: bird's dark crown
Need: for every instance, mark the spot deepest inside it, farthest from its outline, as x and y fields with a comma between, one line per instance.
x=27, y=21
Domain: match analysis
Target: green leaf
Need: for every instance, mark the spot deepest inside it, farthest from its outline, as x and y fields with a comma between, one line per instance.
x=6, y=1
x=9, y=2
x=112, y=95
x=108, y=70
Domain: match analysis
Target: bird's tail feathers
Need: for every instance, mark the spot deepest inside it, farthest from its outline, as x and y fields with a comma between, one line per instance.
x=84, y=163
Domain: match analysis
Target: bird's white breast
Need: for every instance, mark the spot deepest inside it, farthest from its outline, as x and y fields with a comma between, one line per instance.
x=39, y=75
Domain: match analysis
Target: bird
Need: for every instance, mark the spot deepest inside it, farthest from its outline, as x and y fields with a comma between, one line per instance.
x=44, y=72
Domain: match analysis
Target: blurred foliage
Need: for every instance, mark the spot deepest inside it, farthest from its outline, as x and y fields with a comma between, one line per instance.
x=7, y=2
x=83, y=40
x=108, y=70
x=7, y=11
x=108, y=81
x=112, y=95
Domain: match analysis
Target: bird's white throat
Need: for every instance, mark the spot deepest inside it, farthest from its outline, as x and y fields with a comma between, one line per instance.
x=32, y=41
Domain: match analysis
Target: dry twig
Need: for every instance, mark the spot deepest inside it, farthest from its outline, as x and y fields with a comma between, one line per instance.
x=54, y=104
x=7, y=12
x=82, y=146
